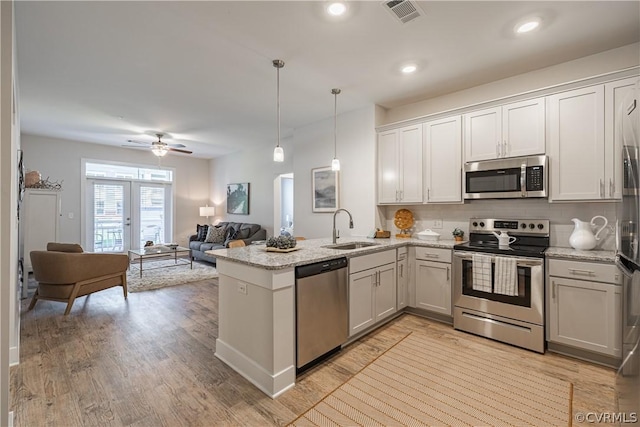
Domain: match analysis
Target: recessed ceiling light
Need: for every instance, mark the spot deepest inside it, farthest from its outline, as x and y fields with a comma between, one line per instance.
x=527, y=26
x=409, y=68
x=337, y=8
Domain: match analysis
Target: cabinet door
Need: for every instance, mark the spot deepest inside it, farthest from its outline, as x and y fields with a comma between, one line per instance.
x=386, y=292
x=361, y=299
x=523, y=128
x=443, y=160
x=388, y=177
x=576, y=142
x=617, y=97
x=410, y=165
x=433, y=286
x=586, y=315
x=41, y=220
x=403, y=281
x=482, y=135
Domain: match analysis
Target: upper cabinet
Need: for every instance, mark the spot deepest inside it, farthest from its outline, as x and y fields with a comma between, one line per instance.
x=400, y=165
x=511, y=130
x=443, y=160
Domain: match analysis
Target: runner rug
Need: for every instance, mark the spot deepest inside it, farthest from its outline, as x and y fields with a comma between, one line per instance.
x=161, y=274
x=426, y=381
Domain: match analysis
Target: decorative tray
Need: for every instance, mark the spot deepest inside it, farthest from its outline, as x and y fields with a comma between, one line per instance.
x=283, y=251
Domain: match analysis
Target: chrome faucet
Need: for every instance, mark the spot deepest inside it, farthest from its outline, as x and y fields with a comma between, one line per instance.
x=336, y=234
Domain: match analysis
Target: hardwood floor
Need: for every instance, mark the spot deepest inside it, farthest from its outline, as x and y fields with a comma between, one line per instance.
x=149, y=361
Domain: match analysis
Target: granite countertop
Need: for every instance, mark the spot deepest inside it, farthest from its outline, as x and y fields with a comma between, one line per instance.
x=570, y=253
x=313, y=250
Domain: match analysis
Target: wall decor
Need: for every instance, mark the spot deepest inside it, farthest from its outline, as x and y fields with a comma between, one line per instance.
x=238, y=198
x=325, y=189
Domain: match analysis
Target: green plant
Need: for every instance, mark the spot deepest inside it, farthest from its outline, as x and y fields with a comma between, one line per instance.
x=457, y=232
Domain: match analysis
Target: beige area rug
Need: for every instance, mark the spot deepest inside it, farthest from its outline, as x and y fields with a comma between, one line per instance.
x=424, y=381
x=161, y=274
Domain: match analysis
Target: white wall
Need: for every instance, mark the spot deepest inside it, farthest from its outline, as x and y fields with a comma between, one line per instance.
x=310, y=147
x=61, y=160
x=589, y=66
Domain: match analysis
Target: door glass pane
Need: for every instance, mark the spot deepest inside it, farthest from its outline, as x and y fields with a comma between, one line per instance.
x=152, y=215
x=108, y=225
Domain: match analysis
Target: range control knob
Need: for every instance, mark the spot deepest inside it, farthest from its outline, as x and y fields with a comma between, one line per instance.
x=523, y=225
x=540, y=226
x=481, y=224
x=532, y=226
x=475, y=223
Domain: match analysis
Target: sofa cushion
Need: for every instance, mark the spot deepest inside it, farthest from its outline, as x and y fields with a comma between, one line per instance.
x=64, y=247
x=215, y=235
x=195, y=245
x=210, y=246
x=248, y=230
x=202, y=231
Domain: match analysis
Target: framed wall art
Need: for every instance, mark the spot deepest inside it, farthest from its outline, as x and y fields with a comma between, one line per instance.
x=325, y=189
x=238, y=198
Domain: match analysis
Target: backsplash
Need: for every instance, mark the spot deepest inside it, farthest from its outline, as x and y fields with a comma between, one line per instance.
x=559, y=214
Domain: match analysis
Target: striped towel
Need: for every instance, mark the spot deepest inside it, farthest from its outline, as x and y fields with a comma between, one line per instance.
x=506, y=276
x=482, y=273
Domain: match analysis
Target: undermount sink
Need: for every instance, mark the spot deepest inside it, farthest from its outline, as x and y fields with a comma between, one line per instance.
x=351, y=245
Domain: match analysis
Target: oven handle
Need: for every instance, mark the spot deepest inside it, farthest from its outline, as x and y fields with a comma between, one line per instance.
x=523, y=179
x=520, y=261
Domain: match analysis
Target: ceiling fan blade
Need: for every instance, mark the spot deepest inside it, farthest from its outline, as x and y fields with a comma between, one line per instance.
x=139, y=142
x=180, y=151
x=176, y=145
x=135, y=146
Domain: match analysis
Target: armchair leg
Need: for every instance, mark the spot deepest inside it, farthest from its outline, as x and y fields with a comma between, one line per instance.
x=34, y=300
x=72, y=297
x=124, y=284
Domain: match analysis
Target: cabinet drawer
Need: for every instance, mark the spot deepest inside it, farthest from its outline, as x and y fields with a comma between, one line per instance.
x=433, y=254
x=374, y=260
x=592, y=271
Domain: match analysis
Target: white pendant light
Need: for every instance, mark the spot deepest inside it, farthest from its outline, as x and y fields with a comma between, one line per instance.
x=335, y=163
x=278, y=152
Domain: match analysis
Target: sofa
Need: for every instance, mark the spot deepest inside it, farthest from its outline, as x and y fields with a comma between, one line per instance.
x=220, y=236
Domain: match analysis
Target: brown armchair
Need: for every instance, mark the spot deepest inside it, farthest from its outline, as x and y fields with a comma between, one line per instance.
x=65, y=272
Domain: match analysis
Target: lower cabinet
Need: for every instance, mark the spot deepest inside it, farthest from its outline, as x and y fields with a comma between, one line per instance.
x=403, y=278
x=372, y=289
x=585, y=311
x=433, y=280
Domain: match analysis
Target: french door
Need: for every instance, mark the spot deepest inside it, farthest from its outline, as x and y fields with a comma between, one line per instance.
x=126, y=214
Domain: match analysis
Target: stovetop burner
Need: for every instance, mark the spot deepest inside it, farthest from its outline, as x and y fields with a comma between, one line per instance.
x=532, y=237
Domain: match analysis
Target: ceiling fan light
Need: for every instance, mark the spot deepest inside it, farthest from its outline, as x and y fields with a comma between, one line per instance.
x=278, y=154
x=335, y=165
x=160, y=151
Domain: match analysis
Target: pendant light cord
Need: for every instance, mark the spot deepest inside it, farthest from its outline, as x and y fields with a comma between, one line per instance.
x=278, y=63
x=335, y=93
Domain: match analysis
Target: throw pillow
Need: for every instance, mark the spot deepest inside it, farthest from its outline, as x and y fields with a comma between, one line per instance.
x=64, y=247
x=232, y=234
x=215, y=235
x=202, y=232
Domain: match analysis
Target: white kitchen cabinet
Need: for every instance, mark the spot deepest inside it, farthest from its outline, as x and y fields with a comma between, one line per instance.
x=443, y=160
x=510, y=130
x=40, y=222
x=577, y=144
x=615, y=106
x=584, y=306
x=400, y=165
x=372, y=289
x=403, y=277
x=433, y=280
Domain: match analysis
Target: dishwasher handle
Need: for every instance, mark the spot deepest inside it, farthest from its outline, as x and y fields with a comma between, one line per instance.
x=320, y=267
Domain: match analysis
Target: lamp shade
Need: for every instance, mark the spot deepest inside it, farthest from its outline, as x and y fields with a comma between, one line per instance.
x=207, y=211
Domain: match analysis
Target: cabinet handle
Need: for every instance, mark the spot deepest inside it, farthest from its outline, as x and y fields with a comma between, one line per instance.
x=601, y=189
x=504, y=149
x=428, y=194
x=498, y=149
x=378, y=277
x=553, y=289
x=447, y=274
x=431, y=255
x=373, y=279
x=402, y=270
x=401, y=195
x=612, y=187
x=578, y=272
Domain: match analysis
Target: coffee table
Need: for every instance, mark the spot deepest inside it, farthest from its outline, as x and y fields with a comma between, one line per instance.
x=159, y=252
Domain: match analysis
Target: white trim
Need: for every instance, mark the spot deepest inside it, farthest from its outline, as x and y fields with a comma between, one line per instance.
x=14, y=355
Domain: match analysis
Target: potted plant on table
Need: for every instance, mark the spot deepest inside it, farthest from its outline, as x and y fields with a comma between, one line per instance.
x=457, y=234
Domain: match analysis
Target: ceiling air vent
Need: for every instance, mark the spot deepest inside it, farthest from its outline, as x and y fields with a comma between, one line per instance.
x=403, y=10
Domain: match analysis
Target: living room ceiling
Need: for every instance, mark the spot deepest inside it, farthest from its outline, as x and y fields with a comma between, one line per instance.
x=106, y=72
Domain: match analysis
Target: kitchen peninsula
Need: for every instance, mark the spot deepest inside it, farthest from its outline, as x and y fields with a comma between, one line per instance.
x=256, y=316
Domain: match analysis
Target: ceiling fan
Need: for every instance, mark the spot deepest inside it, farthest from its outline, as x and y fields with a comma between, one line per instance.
x=159, y=148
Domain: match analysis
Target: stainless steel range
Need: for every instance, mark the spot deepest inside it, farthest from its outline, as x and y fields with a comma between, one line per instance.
x=499, y=288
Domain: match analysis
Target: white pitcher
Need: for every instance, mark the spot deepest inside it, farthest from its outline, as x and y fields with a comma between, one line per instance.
x=582, y=237
x=504, y=239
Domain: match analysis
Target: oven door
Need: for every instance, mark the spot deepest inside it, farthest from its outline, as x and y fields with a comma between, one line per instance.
x=527, y=305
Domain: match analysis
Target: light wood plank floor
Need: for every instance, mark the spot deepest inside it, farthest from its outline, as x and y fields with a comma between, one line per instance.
x=149, y=361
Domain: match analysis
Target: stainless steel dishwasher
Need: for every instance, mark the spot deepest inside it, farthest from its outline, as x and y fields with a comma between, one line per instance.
x=322, y=310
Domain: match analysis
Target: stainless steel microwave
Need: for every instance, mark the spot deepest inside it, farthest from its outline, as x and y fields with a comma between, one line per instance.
x=513, y=178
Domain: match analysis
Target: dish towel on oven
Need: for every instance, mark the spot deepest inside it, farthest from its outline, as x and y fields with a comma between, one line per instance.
x=506, y=276
x=481, y=273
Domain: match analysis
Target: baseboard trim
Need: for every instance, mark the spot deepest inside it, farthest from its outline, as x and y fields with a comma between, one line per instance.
x=273, y=385
x=14, y=356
